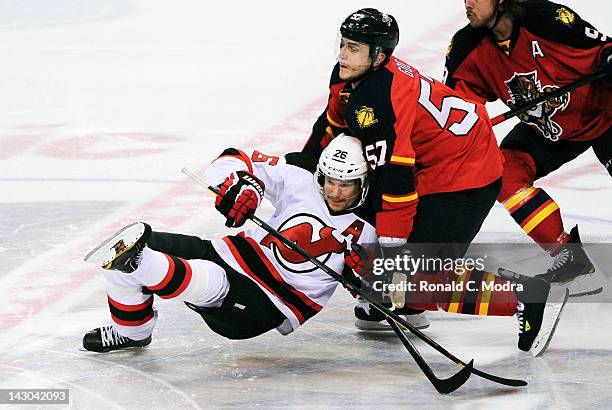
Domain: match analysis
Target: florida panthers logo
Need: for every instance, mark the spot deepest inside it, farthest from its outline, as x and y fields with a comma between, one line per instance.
x=524, y=87
x=312, y=235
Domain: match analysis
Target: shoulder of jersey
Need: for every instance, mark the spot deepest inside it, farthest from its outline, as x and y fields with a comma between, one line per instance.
x=302, y=160
x=379, y=80
x=375, y=88
x=370, y=103
x=463, y=43
x=366, y=212
x=557, y=22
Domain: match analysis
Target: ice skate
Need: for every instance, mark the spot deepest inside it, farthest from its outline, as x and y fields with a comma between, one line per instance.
x=122, y=251
x=538, y=311
x=573, y=267
x=104, y=339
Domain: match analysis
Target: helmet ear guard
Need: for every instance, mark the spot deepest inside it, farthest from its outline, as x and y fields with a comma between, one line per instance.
x=343, y=159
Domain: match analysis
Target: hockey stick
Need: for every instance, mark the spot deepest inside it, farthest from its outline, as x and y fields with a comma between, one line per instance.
x=390, y=314
x=443, y=386
x=547, y=96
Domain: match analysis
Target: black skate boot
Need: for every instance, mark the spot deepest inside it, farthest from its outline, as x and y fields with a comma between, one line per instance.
x=571, y=263
x=123, y=250
x=105, y=338
x=538, y=312
x=371, y=319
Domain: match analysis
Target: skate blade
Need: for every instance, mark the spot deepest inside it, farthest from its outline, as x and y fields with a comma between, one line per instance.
x=132, y=349
x=106, y=252
x=583, y=285
x=587, y=293
x=536, y=350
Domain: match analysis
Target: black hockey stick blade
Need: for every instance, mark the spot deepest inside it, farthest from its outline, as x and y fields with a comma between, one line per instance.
x=500, y=380
x=443, y=386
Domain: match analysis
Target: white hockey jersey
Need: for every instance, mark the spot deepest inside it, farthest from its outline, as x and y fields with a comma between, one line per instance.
x=296, y=286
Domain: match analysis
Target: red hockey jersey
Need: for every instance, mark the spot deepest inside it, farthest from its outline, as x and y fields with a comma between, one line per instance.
x=419, y=136
x=551, y=47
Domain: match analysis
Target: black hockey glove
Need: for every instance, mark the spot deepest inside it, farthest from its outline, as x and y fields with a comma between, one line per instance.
x=238, y=197
x=360, y=260
x=350, y=277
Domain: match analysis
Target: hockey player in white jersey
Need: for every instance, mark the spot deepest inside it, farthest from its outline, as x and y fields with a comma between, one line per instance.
x=246, y=284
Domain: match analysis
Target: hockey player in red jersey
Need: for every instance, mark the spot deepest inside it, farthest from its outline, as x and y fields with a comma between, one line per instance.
x=515, y=51
x=436, y=165
x=246, y=284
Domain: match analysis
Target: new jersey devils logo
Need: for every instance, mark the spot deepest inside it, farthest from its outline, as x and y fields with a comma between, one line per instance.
x=311, y=234
x=524, y=87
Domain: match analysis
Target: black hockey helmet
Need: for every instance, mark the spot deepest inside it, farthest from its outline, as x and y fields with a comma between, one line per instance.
x=372, y=27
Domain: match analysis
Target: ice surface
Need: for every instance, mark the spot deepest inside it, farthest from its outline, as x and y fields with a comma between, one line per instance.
x=103, y=103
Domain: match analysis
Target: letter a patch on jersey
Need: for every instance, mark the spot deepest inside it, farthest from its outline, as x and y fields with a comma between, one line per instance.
x=537, y=51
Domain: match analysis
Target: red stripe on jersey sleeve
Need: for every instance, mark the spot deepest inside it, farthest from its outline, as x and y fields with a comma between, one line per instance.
x=241, y=156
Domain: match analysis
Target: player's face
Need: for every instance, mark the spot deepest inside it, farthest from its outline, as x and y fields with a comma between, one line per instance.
x=339, y=194
x=354, y=59
x=480, y=13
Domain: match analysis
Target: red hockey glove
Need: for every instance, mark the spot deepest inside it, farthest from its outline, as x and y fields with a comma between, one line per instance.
x=360, y=260
x=238, y=197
